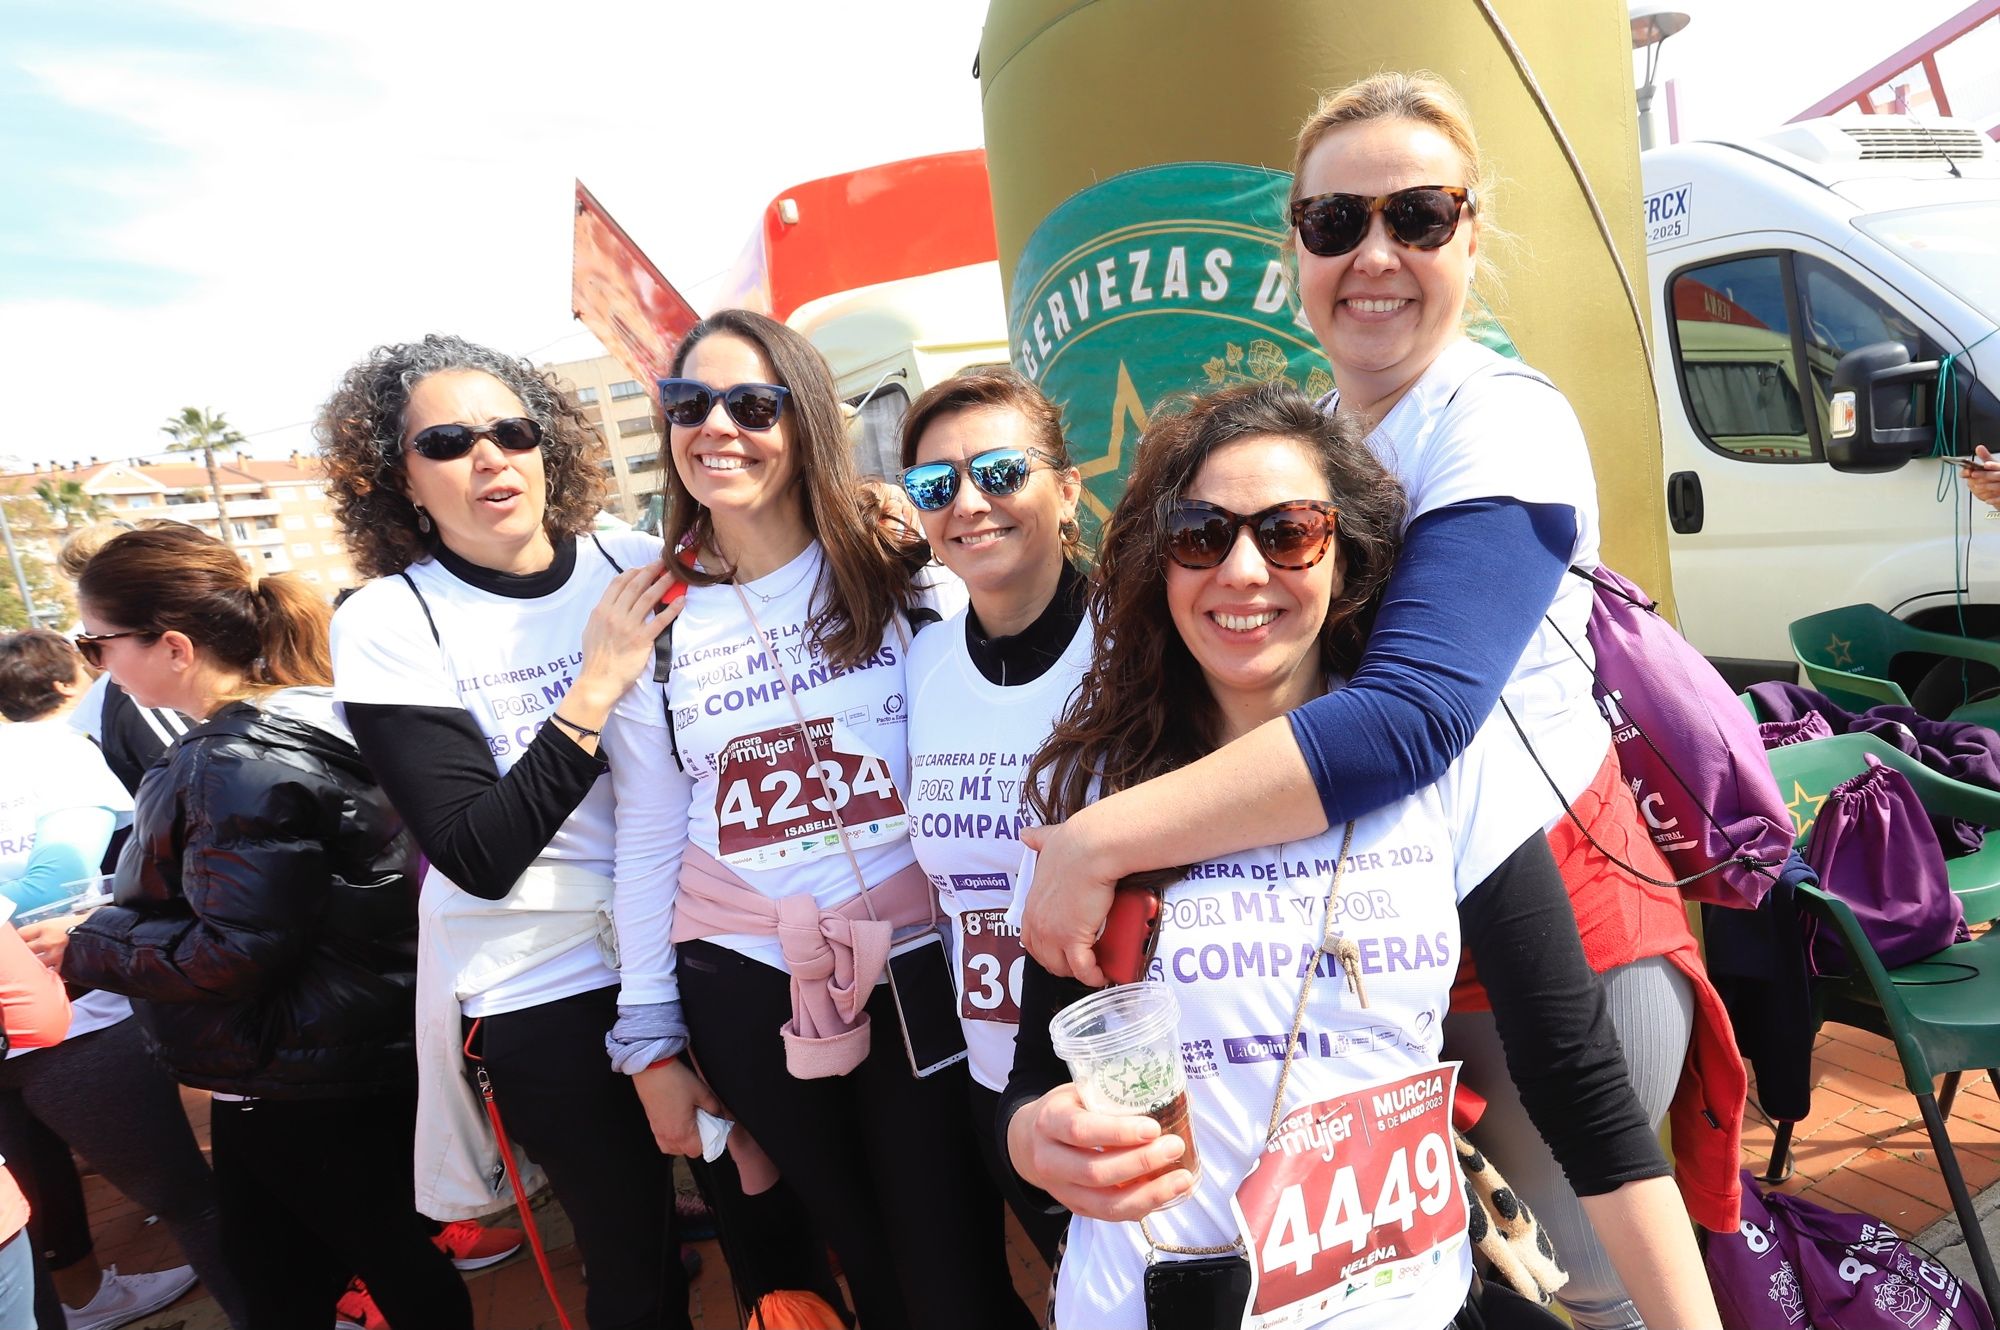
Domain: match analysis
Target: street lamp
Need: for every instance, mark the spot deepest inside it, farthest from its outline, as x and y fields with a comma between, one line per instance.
x=1653, y=21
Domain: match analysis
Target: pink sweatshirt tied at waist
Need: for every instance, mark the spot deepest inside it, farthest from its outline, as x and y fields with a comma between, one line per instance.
x=836, y=956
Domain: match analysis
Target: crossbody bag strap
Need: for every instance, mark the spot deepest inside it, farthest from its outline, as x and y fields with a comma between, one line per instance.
x=485, y=1084
x=422, y=604
x=1348, y=955
x=826, y=791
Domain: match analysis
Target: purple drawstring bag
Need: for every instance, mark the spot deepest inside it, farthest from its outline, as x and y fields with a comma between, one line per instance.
x=1873, y=846
x=1796, y=1264
x=1688, y=748
x=1785, y=733
x=1756, y=1285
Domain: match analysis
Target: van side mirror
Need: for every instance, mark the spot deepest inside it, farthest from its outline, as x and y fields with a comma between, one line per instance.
x=1880, y=411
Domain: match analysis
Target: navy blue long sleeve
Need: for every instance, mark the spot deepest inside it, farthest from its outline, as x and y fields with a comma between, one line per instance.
x=1468, y=592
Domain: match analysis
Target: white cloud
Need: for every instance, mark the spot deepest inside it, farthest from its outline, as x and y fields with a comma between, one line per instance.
x=406, y=170
x=389, y=167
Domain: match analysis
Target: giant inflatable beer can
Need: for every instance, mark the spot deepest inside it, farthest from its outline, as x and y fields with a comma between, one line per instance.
x=1139, y=152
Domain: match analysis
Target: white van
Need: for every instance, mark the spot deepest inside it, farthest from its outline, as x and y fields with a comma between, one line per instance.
x=1835, y=261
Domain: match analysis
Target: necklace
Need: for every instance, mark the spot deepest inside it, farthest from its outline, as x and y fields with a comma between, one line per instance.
x=784, y=591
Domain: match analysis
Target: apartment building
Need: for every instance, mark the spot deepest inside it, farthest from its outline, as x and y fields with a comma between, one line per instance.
x=279, y=517
x=622, y=410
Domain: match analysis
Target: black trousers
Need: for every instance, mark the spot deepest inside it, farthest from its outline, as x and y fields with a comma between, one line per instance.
x=582, y=1122
x=315, y=1191
x=883, y=1162
x=1044, y=1228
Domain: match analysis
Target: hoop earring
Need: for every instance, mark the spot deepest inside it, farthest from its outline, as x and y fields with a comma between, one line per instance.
x=423, y=521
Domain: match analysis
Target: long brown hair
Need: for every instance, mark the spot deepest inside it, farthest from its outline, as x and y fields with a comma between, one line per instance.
x=273, y=630
x=1144, y=708
x=869, y=572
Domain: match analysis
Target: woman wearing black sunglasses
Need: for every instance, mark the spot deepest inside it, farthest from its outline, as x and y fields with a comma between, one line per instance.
x=1389, y=201
x=765, y=873
x=476, y=672
x=988, y=471
x=265, y=927
x=1309, y=975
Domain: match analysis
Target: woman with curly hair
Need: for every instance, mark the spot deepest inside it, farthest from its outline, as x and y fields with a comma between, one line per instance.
x=477, y=671
x=765, y=870
x=1235, y=585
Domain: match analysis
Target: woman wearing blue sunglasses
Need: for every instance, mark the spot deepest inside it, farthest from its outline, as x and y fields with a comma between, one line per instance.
x=989, y=473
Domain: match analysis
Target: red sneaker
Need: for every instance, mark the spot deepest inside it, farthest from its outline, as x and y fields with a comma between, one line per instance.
x=473, y=1246
x=356, y=1310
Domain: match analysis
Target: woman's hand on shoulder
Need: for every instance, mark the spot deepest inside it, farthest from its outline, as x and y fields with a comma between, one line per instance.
x=618, y=639
x=1068, y=900
x=671, y=1091
x=1099, y=1165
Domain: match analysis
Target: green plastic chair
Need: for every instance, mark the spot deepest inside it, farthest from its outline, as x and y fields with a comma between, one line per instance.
x=1942, y=1013
x=1847, y=654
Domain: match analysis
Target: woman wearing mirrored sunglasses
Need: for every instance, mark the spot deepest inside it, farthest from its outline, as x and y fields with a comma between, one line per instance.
x=764, y=858
x=988, y=471
x=476, y=671
x=1480, y=610
x=1230, y=593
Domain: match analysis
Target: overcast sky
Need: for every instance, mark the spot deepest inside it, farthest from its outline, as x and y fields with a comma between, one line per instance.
x=225, y=202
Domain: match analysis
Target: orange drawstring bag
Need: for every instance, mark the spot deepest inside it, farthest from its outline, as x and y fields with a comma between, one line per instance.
x=793, y=1309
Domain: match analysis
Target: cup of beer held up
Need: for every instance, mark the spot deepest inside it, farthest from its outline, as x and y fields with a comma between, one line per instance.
x=1124, y=1053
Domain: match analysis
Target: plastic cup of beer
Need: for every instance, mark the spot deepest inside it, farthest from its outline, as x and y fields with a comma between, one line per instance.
x=1124, y=1053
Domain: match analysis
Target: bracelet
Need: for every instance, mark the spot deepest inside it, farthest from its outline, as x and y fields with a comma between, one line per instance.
x=580, y=731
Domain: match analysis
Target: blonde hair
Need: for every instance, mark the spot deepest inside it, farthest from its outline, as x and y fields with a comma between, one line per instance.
x=1422, y=98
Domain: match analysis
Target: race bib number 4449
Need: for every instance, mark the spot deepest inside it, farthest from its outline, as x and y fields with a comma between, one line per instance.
x=774, y=803
x=1357, y=1199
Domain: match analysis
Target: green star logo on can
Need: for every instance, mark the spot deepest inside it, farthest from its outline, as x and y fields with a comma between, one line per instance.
x=1163, y=280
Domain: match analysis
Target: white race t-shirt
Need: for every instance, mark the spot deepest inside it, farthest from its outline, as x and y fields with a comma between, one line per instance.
x=751, y=790
x=970, y=742
x=508, y=661
x=48, y=767
x=1479, y=426
x=1235, y=933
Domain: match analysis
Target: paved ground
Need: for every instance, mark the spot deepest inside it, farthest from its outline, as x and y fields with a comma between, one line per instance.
x=1864, y=1148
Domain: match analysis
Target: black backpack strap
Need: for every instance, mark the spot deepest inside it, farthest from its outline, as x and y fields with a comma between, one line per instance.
x=615, y=565
x=423, y=605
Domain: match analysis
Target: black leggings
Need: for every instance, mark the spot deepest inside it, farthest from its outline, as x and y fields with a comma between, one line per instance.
x=316, y=1191
x=561, y=1102
x=882, y=1161
x=1045, y=1228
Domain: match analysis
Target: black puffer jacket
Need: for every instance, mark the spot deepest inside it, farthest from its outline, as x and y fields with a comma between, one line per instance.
x=266, y=911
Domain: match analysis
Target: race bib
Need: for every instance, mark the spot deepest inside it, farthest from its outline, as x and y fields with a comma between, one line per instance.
x=774, y=804
x=1356, y=1200
x=991, y=961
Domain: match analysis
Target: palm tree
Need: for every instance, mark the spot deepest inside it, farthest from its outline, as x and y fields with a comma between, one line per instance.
x=203, y=431
x=69, y=502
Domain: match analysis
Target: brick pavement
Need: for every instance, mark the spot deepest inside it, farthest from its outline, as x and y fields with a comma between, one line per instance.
x=1863, y=1148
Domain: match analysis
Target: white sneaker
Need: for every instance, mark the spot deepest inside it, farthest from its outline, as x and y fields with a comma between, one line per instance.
x=122, y=1299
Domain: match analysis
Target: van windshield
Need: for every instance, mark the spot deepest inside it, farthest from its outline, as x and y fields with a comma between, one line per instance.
x=1956, y=243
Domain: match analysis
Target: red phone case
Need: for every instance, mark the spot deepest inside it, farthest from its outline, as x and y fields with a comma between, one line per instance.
x=1125, y=947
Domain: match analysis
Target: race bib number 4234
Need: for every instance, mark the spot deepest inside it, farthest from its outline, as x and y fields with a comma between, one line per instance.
x=1357, y=1199
x=774, y=803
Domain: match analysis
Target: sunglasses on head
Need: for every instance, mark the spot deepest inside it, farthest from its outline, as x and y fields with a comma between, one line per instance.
x=997, y=471
x=441, y=443
x=1295, y=534
x=91, y=645
x=1421, y=217
x=753, y=406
